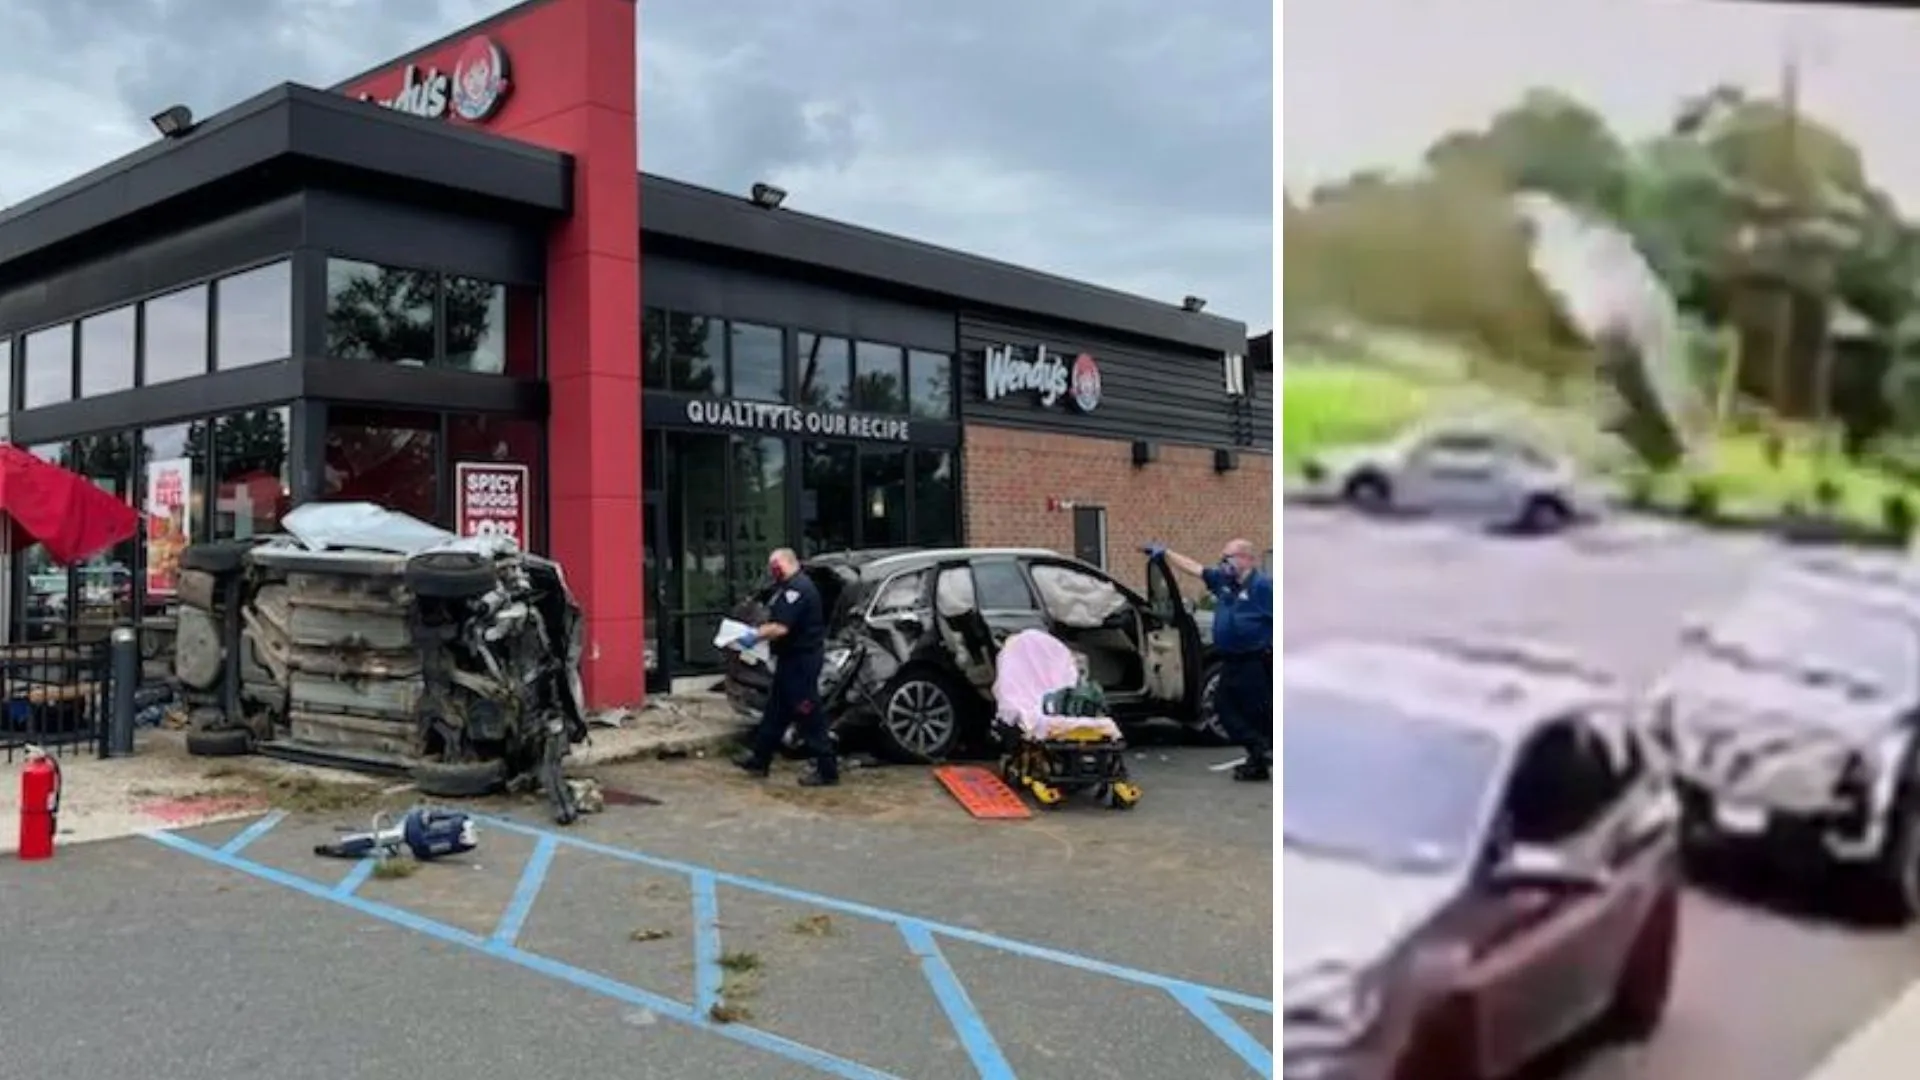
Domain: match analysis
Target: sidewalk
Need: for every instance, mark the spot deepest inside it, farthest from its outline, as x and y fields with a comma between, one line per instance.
x=162, y=787
x=1885, y=1048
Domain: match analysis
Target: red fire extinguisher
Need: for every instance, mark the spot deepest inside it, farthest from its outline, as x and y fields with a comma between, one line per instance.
x=39, y=804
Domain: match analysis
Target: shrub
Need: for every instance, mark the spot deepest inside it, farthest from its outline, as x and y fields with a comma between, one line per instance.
x=1896, y=515
x=1703, y=501
x=1640, y=491
x=1827, y=494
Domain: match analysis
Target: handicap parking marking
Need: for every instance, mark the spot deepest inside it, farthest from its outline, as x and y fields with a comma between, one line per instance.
x=920, y=940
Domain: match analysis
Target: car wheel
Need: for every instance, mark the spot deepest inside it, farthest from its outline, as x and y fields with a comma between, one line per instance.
x=1368, y=491
x=226, y=742
x=450, y=575
x=198, y=658
x=219, y=557
x=1442, y=1044
x=1544, y=514
x=1898, y=884
x=1206, y=729
x=464, y=780
x=1646, y=979
x=920, y=718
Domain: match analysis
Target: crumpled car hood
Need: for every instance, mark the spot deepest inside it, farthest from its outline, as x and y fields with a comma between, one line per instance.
x=367, y=527
x=1711, y=694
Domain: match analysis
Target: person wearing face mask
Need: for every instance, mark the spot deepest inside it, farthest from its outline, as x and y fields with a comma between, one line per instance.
x=796, y=634
x=1243, y=637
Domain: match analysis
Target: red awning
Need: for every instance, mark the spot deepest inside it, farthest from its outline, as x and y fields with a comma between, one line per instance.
x=61, y=510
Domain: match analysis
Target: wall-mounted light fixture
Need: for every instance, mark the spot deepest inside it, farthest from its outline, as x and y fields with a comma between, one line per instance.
x=1145, y=452
x=1225, y=460
x=173, y=121
x=1193, y=304
x=768, y=197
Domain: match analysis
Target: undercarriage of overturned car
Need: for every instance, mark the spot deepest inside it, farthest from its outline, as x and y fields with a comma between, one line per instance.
x=369, y=640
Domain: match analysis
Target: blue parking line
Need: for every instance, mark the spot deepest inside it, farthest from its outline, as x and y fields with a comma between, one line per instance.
x=553, y=969
x=356, y=877
x=706, y=944
x=532, y=876
x=253, y=832
x=967, y=1023
x=868, y=911
x=1237, y=1038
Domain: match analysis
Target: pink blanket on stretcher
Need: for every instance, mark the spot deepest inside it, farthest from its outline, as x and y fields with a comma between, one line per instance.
x=1031, y=665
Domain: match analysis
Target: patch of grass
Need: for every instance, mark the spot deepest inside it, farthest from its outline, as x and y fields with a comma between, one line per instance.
x=738, y=962
x=395, y=868
x=1334, y=404
x=729, y=1012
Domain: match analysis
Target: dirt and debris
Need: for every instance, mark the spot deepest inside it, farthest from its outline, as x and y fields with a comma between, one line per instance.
x=816, y=925
x=739, y=982
x=649, y=933
x=398, y=866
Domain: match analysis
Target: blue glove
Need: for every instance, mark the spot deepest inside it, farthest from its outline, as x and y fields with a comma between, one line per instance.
x=747, y=640
x=1154, y=550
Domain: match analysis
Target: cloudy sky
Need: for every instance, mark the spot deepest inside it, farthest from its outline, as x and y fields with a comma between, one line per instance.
x=1127, y=142
x=1373, y=82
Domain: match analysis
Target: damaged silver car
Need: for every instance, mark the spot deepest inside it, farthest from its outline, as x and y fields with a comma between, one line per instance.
x=1792, y=722
x=370, y=640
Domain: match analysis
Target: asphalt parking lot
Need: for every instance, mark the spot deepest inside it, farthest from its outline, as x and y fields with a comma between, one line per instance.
x=870, y=931
x=1767, y=986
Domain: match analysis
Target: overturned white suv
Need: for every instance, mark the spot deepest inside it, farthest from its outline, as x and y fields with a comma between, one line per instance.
x=369, y=639
x=1792, y=721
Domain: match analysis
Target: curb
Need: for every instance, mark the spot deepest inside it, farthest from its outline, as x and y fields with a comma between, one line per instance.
x=675, y=746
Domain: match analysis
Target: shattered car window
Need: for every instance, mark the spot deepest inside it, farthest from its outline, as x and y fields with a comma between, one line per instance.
x=1077, y=599
x=900, y=595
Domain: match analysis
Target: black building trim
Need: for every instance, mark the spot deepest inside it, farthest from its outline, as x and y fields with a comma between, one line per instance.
x=1167, y=395
x=739, y=290
x=670, y=208
x=290, y=136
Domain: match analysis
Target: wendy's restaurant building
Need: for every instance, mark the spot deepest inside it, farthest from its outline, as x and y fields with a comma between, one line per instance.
x=445, y=286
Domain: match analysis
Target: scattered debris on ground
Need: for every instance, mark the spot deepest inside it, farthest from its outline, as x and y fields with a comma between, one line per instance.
x=818, y=925
x=739, y=962
x=396, y=867
x=648, y=933
x=739, y=982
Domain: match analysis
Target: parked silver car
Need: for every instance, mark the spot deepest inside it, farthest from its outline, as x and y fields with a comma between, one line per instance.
x=1792, y=722
x=1458, y=469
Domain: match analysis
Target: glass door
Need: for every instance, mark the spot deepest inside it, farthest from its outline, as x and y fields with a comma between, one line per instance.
x=653, y=545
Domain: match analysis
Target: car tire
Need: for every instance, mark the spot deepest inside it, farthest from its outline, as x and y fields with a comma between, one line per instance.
x=1206, y=729
x=1895, y=895
x=1646, y=979
x=1544, y=514
x=218, y=557
x=451, y=575
x=921, y=718
x=462, y=780
x=199, y=659
x=1368, y=491
x=225, y=742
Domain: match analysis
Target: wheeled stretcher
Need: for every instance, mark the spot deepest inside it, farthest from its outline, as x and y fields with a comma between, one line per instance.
x=1055, y=737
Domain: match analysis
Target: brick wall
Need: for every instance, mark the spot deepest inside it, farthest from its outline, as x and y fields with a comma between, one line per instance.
x=1178, y=500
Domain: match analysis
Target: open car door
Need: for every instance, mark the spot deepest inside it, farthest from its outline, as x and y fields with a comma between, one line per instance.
x=1174, y=671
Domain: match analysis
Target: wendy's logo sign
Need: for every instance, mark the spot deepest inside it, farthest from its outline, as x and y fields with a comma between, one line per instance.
x=474, y=92
x=1086, y=383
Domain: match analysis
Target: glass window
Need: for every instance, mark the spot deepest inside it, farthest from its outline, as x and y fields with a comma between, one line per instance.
x=255, y=317
x=1370, y=783
x=106, y=352
x=998, y=585
x=104, y=583
x=385, y=457
x=828, y=494
x=476, y=325
x=883, y=498
x=653, y=349
x=759, y=508
x=502, y=440
x=172, y=466
x=826, y=371
x=48, y=367
x=878, y=371
x=935, y=523
x=759, y=362
x=698, y=589
x=176, y=345
x=44, y=590
x=930, y=384
x=251, y=480
x=6, y=375
x=378, y=313
x=900, y=595
x=696, y=349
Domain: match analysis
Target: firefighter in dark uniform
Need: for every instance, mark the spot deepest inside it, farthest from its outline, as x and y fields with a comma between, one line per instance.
x=796, y=634
x=1243, y=639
